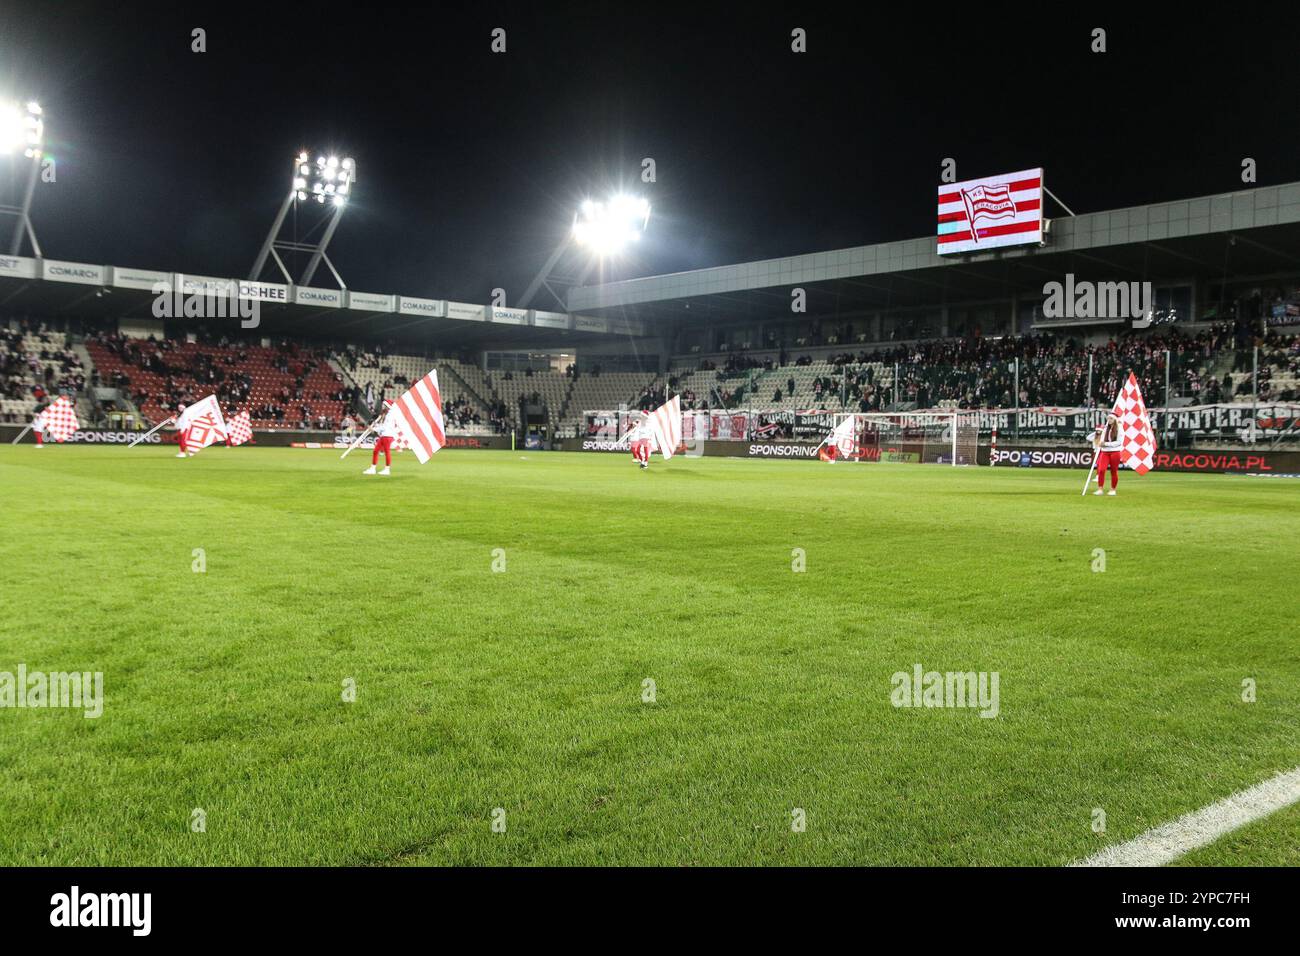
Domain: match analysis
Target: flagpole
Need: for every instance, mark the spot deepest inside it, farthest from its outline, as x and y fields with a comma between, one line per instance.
x=150, y=432
x=1087, y=481
x=20, y=435
x=361, y=438
x=1096, y=451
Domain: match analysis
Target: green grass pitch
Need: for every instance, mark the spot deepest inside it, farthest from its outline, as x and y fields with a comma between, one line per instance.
x=521, y=689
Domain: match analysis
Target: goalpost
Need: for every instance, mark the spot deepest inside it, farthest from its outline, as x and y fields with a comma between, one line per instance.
x=935, y=437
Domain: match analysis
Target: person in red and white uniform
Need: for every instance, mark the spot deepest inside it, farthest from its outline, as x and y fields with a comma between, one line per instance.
x=638, y=440
x=386, y=433
x=38, y=428
x=1109, y=442
x=181, y=433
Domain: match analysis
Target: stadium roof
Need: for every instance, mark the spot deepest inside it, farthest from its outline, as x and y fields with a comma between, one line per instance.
x=49, y=287
x=1251, y=233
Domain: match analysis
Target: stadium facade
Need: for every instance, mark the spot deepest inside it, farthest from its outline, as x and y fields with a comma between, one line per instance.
x=1234, y=254
x=1171, y=267
x=1203, y=258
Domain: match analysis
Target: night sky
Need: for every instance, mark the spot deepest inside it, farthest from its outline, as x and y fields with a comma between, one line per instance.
x=471, y=163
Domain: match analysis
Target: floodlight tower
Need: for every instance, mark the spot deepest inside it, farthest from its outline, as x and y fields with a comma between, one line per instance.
x=601, y=230
x=22, y=136
x=328, y=182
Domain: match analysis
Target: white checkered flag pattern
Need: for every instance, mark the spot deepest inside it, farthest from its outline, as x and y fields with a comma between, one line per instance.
x=58, y=419
x=241, y=429
x=1139, y=449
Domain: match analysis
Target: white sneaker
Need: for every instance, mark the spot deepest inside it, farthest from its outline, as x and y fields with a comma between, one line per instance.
x=369, y=471
x=1099, y=491
x=1111, y=493
x=180, y=454
x=385, y=471
x=191, y=454
x=39, y=447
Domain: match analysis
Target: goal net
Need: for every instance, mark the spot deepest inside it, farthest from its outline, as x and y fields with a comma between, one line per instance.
x=936, y=438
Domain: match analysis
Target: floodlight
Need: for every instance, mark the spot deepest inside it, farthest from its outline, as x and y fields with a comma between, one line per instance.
x=607, y=227
x=328, y=177
x=21, y=128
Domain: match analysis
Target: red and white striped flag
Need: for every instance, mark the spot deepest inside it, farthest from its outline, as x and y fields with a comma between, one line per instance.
x=241, y=429
x=1139, y=448
x=203, y=423
x=665, y=426
x=418, y=413
x=58, y=419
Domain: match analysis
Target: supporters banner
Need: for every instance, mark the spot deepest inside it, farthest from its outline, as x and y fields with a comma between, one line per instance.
x=1229, y=422
x=980, y=214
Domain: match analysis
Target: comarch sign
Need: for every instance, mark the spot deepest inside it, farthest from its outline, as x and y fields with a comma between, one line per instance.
x=505, y=316
x=77, y=272
x=204, y=285
x=327, y=298
x=434, y=308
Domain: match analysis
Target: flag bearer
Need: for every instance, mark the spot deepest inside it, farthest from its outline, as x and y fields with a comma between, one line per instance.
x=387, y=431
x=1109, y=442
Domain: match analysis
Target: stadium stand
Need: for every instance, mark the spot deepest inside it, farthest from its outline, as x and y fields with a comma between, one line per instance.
x=35, y=364
x=294, y=385
x=1208, y=366
x=466, y=408
x=286, y=386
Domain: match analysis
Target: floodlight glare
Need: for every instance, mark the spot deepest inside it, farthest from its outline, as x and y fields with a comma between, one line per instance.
x=607, y=227
x=326, y=176
x=21, y=128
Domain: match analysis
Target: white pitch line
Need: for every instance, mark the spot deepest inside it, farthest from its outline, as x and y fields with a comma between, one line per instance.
x=1202, y=827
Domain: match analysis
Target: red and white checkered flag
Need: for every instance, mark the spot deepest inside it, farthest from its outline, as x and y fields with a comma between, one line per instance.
x=58, y=419
x=1139, y=449
x=203, y=424
x=241, y=429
